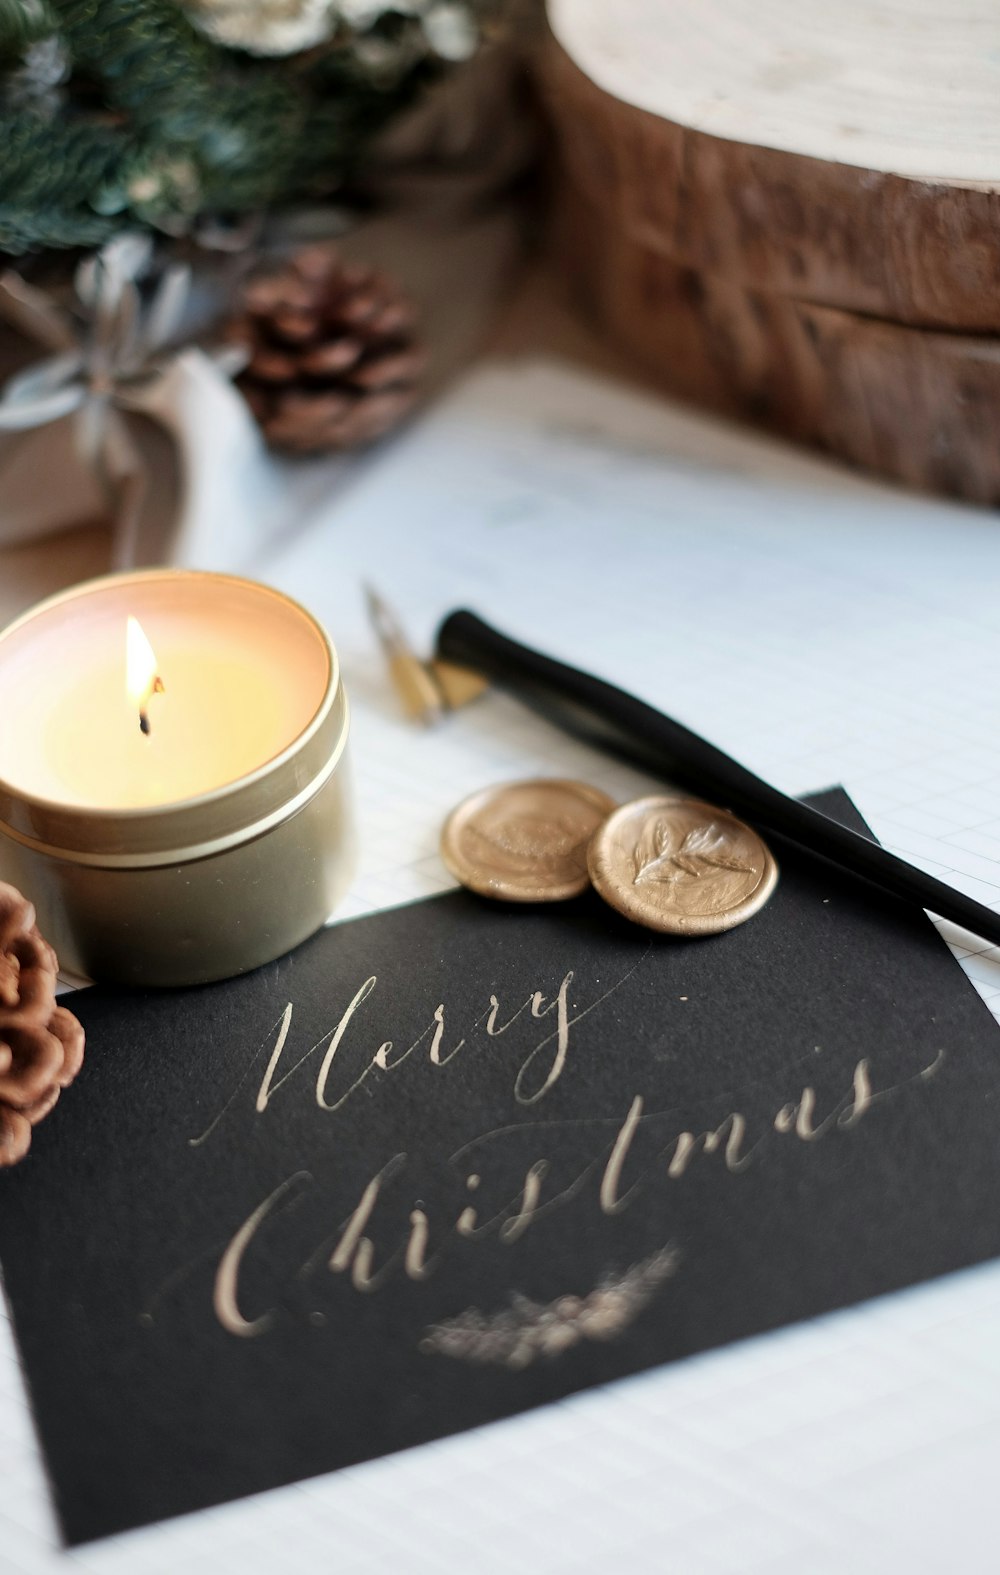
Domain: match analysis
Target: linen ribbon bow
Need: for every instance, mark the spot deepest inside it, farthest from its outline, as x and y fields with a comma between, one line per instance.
x=99, y=369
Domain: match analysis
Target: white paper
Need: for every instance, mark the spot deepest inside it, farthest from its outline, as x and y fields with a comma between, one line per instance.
x=822, y=629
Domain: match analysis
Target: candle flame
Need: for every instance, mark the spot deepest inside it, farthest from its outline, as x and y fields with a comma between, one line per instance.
x=141, y=678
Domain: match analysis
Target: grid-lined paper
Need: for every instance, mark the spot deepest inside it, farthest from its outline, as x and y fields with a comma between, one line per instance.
x=821, y=629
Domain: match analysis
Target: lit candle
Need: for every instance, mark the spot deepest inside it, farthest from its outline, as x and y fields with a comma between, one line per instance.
x=171, y=795
x=142, y=681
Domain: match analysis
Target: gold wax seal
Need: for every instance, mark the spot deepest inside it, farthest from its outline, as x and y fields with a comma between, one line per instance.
x=525, y=841
x=681, y=866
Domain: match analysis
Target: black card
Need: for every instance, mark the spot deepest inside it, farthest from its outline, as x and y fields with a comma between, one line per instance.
x=455, y=1160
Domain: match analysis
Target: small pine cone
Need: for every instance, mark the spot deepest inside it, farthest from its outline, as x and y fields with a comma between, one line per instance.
x=41, y=1044
x=334, y=359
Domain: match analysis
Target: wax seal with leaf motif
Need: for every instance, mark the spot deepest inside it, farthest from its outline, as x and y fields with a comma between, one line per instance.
x=681, y=866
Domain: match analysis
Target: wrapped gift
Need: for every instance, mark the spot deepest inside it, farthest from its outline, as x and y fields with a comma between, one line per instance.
x=118, y=422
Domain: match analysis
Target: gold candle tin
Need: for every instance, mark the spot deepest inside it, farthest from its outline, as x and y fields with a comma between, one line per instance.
x=203, y=887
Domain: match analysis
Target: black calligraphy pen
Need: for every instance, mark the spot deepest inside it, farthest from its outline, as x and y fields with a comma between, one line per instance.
x=604, y=715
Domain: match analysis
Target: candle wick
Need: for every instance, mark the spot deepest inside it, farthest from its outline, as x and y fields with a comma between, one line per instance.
x=144, y=726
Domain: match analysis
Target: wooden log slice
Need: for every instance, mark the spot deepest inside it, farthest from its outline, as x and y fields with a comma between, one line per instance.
x=915, y=404
x=845, y=154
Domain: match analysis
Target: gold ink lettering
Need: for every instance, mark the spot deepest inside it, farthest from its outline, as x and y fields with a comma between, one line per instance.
x=733, y=1127
x=435, y=1051
x=861, y=1097
x=466, y=1222
x=225, y=1298
x=526, y=1201
x=196, y=1142
x=686, y=1147
x=264, y=1092
x=561, y=1036
x=799, y=1118
x=352, y=1231
x=804, y=1120
x=512, y=1229
x=363, y=1277
x=415, y=1261
x=491, y=1019
x=383, y=1061
x=380, y=1062
x=610, y=1201
x=338, y=1034
x=361, y=1266
x=923, y=1076
x=564, y=1024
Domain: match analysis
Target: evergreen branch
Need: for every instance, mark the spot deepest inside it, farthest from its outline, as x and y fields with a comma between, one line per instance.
x=158, y=124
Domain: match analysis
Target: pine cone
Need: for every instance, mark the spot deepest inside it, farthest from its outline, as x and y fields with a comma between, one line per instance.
x=41, y=1044
x=334, y=361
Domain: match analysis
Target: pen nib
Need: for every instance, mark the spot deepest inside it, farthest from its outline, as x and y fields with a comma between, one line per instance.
x=420, y=696
x=426, y=689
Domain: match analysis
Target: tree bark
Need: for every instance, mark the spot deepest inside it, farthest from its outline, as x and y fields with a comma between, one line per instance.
x=921, y=251
x=918, y=405
x=848, y=301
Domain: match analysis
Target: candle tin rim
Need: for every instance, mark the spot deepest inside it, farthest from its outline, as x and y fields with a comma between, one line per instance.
x=156, y=858
x=186, y=828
